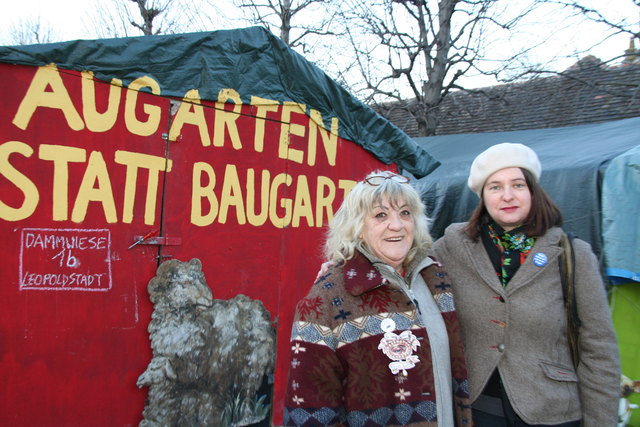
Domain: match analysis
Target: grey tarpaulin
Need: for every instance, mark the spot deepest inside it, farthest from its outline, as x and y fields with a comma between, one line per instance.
x=621, y=216
x=251, y=61
x=573, y=161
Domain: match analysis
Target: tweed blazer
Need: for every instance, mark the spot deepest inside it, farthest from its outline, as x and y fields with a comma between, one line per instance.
x=521, y=330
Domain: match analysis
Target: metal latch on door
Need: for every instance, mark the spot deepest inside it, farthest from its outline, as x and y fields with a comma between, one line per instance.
x=151, y=238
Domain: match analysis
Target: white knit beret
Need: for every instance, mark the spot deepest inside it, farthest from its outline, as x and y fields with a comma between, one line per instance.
x=500, y=156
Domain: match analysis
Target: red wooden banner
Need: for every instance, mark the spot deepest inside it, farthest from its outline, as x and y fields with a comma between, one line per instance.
x=90, y=168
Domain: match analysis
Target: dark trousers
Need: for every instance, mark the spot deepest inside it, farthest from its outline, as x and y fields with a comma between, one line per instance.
x=483, y=419
x=509, y=417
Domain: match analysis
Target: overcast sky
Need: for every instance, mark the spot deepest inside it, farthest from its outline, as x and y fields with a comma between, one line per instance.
x=68, y=20
x=63, y=16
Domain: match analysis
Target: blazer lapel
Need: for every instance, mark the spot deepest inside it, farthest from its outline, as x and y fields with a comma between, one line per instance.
x=477, y=255
x=545, y=246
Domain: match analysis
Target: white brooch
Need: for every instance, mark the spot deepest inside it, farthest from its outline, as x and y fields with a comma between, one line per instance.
x=398, y=348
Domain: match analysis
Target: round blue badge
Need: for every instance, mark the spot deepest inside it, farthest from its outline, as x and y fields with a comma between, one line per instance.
x=539, y=259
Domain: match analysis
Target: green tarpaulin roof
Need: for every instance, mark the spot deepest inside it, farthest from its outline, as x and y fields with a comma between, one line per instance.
x=251, y=61
x=574, y=160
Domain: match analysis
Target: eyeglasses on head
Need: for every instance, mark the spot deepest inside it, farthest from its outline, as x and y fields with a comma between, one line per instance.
x=376, y=180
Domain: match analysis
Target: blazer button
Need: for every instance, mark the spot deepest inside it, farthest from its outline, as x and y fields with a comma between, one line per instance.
x=501, y=348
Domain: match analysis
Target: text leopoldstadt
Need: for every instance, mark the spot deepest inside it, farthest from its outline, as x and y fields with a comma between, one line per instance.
x=216, y=192
x=69, y=259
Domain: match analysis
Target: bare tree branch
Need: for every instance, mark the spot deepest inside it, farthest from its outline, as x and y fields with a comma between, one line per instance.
x=421, y=50
x=597, y=16
x=124, y=18
x=424, y=46
x=31, y=31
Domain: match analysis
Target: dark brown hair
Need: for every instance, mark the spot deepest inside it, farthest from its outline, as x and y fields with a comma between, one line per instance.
x=543, y=215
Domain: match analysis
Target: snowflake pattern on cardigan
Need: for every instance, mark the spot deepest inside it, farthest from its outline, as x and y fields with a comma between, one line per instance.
x=338, y=376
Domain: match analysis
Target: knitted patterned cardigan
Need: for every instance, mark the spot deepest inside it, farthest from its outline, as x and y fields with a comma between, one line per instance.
x=339, y=374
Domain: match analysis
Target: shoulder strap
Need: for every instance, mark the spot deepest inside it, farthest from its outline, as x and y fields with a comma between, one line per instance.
x=567, y=278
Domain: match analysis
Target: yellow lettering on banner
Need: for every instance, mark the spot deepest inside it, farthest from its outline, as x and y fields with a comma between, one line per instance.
x=61, y=155
x=96, y=172
x=153, y=112
x=262, y=106
x=198, y=193
x=277, y=221
x=190, y=112
x=285, y=151
x=281, y=202
x=226, y=120
x=323, y=202
x=260, y=218
x=24, y=184
x=346, y=185
x=99, y=122
x=231, y=195
x=155, y=165
x=329, y=138
x=302, y=203
x=38, y=96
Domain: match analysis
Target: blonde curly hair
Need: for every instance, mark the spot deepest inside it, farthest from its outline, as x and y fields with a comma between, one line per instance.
x=343, y=237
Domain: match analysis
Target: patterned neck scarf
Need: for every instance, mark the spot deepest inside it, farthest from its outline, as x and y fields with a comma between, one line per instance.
x=507, y=249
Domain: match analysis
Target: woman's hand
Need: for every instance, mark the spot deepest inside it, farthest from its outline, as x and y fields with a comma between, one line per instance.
x=324, y=268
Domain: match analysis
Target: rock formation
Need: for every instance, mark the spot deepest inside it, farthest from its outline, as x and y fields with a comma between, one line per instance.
x=209, y=356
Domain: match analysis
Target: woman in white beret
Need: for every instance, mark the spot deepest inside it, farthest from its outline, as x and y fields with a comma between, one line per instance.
x=504, y=266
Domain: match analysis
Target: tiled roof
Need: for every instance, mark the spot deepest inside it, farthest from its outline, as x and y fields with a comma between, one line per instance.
x=588, y=92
